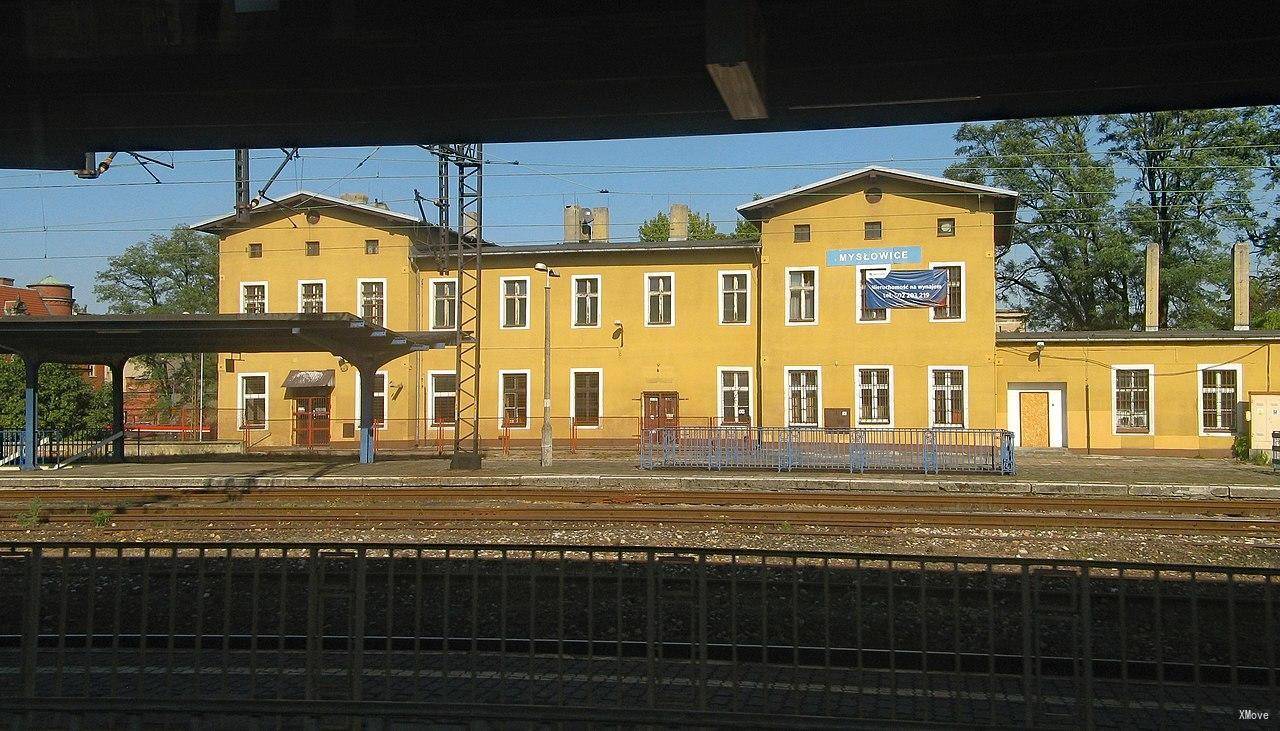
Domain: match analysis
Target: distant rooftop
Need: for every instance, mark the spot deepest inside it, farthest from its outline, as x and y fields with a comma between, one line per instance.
x=596, y=247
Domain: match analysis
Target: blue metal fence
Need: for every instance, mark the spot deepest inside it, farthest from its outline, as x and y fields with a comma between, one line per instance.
x=52, y=447
x=856, y=450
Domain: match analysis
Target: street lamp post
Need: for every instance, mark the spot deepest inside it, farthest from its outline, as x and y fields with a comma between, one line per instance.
x=545, y=460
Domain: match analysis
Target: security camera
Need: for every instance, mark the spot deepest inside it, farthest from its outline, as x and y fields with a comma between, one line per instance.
x=1039, y=345
x=617, y=323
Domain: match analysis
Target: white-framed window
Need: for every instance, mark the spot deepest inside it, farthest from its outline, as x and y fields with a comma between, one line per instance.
x=802, y=296
x=253, y=298
x=948, y=396
x=804, y=395
x=586, y=403
x=513, y=399
x=1132, y=402
x=442, y=398
x=862, y=313
x=515, y=302
x=444, y=304
x=735, y=297
x=252, y=394
x=373, y=300
x=586, y=300
x=953, y=310
x=311, y=296
x=734, y=384
x=379, y=400
x=874, y=385
x=659, y=299
x=1219, y=398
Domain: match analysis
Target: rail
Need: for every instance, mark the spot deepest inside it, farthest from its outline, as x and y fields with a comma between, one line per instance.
x=129, y=635
x=854, y=450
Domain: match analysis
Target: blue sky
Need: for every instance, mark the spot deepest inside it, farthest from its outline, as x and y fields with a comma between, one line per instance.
x=54, y=223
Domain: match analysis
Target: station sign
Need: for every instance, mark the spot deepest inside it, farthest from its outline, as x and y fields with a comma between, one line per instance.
x=874, y=256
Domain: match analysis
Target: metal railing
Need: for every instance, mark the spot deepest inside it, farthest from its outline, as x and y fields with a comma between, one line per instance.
x=127, y=635
x=54, y=447
x=854, y=450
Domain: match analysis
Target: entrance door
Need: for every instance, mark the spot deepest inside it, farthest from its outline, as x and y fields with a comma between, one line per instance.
x=311, y=421
x=1033, y=408
x=661, y=408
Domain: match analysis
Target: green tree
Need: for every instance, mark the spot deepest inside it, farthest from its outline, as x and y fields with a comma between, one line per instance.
x=701, y=228
x=1068, y=262
x=67, y=403
x=170, y=273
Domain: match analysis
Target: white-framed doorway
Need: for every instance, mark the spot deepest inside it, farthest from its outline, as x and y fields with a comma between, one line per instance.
x=1043, y=407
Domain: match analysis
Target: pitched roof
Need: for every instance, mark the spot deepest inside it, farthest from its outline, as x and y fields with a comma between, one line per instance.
x=51, y=280
x=607, y=247
x=34, y=304
x=931, y=180
x=308, y=200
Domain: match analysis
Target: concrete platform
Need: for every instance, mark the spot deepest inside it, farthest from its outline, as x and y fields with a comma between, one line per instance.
x=1039, y=472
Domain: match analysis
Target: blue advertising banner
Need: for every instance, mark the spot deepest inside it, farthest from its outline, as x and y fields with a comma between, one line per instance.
x=872, y=256
x=907, y=288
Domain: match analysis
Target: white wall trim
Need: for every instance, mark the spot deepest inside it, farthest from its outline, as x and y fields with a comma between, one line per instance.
x=964, y=291
x=324, y=292
x=1057, y=392
x=720, y=275
x=786, y=393
x=857, y=396
x=431, y=397
x=359, y=310
x=431, y=304
x=528, y=395
x=786, y=297
x=645, y=301
x=1151, y=399
x=1200, y=369
x=929, y=395
x=502, y=302
x=751, y=394
x=573, y=301
x=266, y=295
x=266, y=398
x=573, y=396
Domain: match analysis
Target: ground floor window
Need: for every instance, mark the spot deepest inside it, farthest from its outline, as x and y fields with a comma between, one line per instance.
x=586, y=398
x=379, y=399
x=1133, y=401
x=253, y=401
x=515, y=400
x=735, y=397
x=947, y=386
x=802, y=397
x=874, y=397
x=1219, y=394
x=444, y=398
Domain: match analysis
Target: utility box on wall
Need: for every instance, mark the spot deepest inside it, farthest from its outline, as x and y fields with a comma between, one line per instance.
x=1264, y=418
x=835, y=418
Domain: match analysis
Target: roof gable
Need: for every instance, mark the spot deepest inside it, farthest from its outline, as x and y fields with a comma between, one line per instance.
x=304, y=199
x=930, y=180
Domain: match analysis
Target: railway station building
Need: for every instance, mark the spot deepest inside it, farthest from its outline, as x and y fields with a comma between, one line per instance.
x=868, y=301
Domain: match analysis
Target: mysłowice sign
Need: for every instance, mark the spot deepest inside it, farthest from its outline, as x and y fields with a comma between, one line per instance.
x=906, y=288
x=871, y=256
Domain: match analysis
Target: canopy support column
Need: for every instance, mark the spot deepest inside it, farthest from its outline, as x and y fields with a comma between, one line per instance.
x=117, y=409
x=31, y=414
x=368, y=381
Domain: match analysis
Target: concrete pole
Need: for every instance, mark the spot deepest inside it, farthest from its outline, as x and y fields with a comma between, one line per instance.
x=117, y=409
x=1240, y=289
x=368, y=380
x=546, y=372
x=30, y=431
x=1153, y=287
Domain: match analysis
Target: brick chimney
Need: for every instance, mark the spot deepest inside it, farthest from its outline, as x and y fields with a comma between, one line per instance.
x=56, y=296
x=679, y=218
x=1153, y=286
x=573, y=223
x=1240, y=285
x=600, y=223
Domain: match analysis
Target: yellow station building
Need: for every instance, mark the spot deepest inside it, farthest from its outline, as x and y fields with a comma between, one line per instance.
x=772, y=331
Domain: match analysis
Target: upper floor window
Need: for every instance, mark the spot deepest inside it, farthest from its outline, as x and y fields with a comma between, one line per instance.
x=255, y=251
x=954, y=308
x=660, y=299
x=586, y=301
x=373, y=300
x=253, y=298
x=1132, y=400
x=444, y=304
x=311, y=297
x=515, y=302
x=800, y=233
x=947, y=385
x=802, y=295
x=871, y=230
x=946, y=227
x=1219, y=394
x=865, y=313
x=371, y=246
x=734, y=298
x=313, y=248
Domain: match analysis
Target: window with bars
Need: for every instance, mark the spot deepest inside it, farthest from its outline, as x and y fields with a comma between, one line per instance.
x=802, y=295
x=313, y=248
x=253, y=402
x=872, y=230
x=312, y=295
x=586, y=398
x=660, y=299
x=735, y=398
x=586, y=301
x=444, y=305
x=733, y=298
x=1219, y=391
x=373, y=301
x=1133, y=401
x=802, y=397
x=954, y=308
x=253, y=299
x=800, y=233
x=371, y=246
x=515, y=303
x=444, y=398
x=948, y=397
x=874, y=398
x=869, y=314
x=255, y=251
x=515, y=400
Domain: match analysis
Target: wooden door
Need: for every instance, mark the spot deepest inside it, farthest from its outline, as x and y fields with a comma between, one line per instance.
x=1033, y=429
x=661, y=408
x=311, y=421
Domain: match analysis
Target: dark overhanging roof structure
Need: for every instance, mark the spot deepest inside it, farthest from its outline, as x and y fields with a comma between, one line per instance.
x=112, y=338
x=214, y=74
